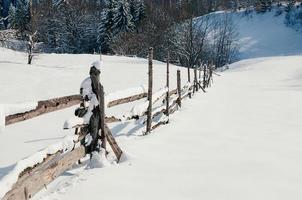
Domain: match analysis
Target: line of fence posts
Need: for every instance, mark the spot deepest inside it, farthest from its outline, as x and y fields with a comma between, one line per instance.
x=197, y=84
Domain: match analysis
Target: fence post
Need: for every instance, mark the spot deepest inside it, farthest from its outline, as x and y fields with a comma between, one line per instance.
x=199, y=77
x=204, y=76
x=189, y=80
x=102, y=116
x=168, y=86
x=150, y=88
x=195, y=79
x=179, y=87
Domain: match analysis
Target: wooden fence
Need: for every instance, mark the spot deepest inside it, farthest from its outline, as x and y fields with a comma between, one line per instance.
x=35, y=178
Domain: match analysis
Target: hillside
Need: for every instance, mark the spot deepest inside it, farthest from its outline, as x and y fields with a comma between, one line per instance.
x=264, y=35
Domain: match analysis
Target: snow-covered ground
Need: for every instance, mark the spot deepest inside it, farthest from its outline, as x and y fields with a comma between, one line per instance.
x=52, y=76
x=263, y=35
x=240, y=140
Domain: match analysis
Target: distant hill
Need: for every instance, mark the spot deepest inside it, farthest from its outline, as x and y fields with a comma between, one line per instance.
x=264, y=35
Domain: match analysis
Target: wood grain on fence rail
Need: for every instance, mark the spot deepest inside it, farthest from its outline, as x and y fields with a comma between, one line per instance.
x=45, y=173
x=45, y=107
x=60, y=103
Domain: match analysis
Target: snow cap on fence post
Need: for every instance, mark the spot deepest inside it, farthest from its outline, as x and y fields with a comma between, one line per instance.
x=97, y=64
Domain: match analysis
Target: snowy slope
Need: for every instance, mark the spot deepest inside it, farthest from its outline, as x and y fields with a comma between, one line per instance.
x=263, y=35
x=52, y=76
x=241, y=140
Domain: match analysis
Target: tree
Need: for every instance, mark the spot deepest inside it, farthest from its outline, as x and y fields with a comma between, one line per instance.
x=263, y=5
x=224, y=41
x=189, y=41
x=137, y=11
x=105, y=28
x=12, y=16
x=19, y=17
x=1, y=15
x=122, y=18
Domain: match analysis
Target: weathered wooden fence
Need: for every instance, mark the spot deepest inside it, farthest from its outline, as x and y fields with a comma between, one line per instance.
x=35, y=178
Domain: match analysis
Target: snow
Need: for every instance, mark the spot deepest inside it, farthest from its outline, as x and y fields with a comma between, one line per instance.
x=140, y=109
x=97, y=65
x=11, y=109
x=2, y=118
x=264, y=35
x=67, y=144
x=72, y=122
x=240, y=140
x=53, y=76
x=125, y=93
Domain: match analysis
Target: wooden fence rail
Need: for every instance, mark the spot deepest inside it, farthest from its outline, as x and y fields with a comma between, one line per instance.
x=61, y=103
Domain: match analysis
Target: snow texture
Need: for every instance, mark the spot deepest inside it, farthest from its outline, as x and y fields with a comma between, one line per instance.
x=263, y=35
x=6, y=183
x=140, y=109
x=97, y=65
x=72, y=122
x=11, y=109
x=244, y=133
x=125, y=93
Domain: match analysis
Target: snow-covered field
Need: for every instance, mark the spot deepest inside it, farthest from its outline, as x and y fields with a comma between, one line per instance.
x=52, y=76
x=240, y=140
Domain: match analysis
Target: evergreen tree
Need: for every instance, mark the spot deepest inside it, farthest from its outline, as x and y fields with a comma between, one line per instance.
x=12, y=16
x=289, y=6
x=133, y=6
x=19, y=17
x=105, y=28
x=141, y=13
x=2, y=26
x=137, y=11
x=123, y=19
x=263, y=5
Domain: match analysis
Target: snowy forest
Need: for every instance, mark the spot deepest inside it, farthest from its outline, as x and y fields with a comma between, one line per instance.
x=129, y=27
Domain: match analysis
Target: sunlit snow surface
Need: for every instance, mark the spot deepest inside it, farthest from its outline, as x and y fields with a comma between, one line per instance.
x=240, y=140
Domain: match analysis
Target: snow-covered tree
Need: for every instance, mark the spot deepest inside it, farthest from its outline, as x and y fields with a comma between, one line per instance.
x=2, y=18
x=263, y=5
x=105, y=28
x=12, y=16
x=123, y=18
x=137, y=10
x=19, y=17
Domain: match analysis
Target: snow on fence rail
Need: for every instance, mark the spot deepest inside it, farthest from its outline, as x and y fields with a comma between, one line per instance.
x=47, y=106
x=32, y=174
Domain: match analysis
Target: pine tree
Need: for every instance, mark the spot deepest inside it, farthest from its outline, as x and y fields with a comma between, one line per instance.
x=2, y=18
x=123, y=19
x=105, y=28
x=141, y=13
x=12, y=16
x=19, y=17
x=263, y=5
x=133, y=8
